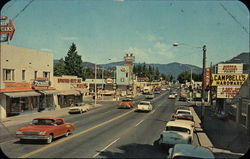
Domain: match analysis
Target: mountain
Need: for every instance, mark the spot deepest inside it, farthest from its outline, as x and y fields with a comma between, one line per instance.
x=241, y=58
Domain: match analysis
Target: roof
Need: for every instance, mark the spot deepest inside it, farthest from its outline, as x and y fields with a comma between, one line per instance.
x=179, y=124
x=192, y=151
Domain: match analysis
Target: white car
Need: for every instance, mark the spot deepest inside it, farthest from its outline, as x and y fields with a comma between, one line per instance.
x=176, y=133
x=180, y=151
x=183, y=111
x=186, y=118
x=149, y=96
x=78, y=108
x=144, y=106
x=163, y=89
x=171, y=96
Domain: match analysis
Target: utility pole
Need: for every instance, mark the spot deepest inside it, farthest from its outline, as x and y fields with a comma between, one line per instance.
x=95, y=85
x=203, y=85
x=102, y=81
x=210, y=85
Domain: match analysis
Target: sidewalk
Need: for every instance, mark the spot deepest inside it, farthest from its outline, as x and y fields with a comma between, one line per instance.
x=224, y=138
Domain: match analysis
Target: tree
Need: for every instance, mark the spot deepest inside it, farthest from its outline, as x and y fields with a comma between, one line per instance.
x=59, y=68
x=73, y=62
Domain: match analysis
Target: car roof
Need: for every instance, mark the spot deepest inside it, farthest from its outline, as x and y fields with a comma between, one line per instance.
x=192, y=151
x=179, y=124
x=184, y=115
x=53, y=118
x=144, y=101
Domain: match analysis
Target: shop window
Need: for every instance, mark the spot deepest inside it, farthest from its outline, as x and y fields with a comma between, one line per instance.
x=8, y=74
x=23, y=75
x=46, y=75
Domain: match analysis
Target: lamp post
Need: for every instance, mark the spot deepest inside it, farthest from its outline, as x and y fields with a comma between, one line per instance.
x=204, y=49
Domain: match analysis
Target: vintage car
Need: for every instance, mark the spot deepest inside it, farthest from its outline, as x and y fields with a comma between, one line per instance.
x=186, y=118
x=183, y=111
x=171, y=96
x=45, y=128
x=78, y=108
x=176, y=133
x=149, y=96
x=144, y=106
x=126, y=103
x=186, y=151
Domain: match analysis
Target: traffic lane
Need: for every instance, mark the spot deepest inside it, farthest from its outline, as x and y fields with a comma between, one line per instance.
x=141, y=141
x=122, y=124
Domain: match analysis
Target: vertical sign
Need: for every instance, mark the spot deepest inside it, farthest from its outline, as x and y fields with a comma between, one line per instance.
x=207, y=77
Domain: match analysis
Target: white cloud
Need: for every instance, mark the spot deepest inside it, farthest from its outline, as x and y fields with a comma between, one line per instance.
x=119, y=0
x=46, y=50
x=71, y=38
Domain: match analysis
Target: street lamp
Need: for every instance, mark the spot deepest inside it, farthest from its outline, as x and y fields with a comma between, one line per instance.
x=204, y=49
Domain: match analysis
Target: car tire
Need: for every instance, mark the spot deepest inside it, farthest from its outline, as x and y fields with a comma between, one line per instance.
x=50, y=139
x=67, y=133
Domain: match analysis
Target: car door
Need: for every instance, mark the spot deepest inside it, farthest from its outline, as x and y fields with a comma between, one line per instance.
x=60, y=128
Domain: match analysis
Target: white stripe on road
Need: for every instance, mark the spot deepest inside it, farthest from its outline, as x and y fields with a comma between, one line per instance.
x=139, y=123
x=106, y=147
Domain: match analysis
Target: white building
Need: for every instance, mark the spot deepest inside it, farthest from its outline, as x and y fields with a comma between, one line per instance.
x=25, y=80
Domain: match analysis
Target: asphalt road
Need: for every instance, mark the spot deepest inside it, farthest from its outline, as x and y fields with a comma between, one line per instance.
x=105, y=132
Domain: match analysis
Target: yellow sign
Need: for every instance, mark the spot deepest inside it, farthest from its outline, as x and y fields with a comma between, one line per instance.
x=228, y=79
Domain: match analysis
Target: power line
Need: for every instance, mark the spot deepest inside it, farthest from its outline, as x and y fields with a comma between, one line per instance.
x=234, y=18
x=22, y=10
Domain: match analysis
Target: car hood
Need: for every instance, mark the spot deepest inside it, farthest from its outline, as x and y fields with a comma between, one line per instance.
x=175, y=134
x=36, y=128
x=74, y=108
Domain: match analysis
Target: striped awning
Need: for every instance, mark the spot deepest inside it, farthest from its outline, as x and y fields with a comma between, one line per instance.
x=22, y=94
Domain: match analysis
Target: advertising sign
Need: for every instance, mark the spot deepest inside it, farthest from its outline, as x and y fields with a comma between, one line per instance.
x=207, y=76
x=109, y=80
x=228, y=79
x=227, y=92
x=230, y=68
x=6, y=29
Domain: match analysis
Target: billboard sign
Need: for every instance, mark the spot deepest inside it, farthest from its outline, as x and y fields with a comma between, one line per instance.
x=228, y=79
x=6, y=29
x=230, y=68
x=227, y=91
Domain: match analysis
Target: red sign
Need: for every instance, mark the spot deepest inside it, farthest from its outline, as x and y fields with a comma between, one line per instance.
x=12, y=87
x=207, y=76
x=8, y=29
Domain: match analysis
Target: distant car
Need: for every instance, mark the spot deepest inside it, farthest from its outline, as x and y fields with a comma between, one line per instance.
x=171, y=96
x=144, y=106
x=149, y=96
x=181, y=151
x=46, y=128
x=176, y=133
x=163, y=89
x=78, y=108
x=157, y=92
x=126, y=103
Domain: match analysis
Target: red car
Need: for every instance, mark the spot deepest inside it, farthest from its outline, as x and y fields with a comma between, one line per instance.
x=45, y=128
x=126, y=103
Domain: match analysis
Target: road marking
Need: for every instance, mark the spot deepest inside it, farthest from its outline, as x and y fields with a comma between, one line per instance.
x=139, y=123
x=153, y=110
x=74, y=135
x=106, y=147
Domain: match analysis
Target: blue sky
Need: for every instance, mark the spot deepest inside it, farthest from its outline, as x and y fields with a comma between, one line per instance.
x=103, y=29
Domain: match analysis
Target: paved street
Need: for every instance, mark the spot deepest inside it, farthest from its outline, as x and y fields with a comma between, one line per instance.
x=105, y=132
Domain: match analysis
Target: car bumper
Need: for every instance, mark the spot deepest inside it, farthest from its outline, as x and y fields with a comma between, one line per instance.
x=29, y=137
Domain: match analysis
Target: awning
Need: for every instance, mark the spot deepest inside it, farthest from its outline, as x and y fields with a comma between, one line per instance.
x=69, y=92
x=47, y=92
x=22, y=94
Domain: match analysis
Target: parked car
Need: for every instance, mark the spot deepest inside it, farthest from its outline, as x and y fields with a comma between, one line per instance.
x=171, y=96
x=126, y=103
x=157, y=92
x=183, y=111
x=149, y=96
x=46, y=128
x=78, y=108
x=144, y=106
x=186, y=118
x=186, y=151
x=176, y=133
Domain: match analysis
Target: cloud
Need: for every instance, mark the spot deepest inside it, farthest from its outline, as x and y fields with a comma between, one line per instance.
x=163, y=49
x=46, y=50
x=119, y=0
x=71, y=38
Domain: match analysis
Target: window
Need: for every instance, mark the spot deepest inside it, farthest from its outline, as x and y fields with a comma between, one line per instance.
x=35, y=74
x=46, y=75
x=8, y=75
x=127, y=74
x=122, y=79
x=23, y=74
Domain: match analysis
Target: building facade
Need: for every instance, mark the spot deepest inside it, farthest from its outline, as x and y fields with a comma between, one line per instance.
x=25, y=80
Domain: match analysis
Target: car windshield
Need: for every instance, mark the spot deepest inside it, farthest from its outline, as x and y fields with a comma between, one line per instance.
x=144, y=103
x=186, y=157
x=175, y=128
x=184, y=117
x=182, y=112
x=126, y=100
x=43, y=122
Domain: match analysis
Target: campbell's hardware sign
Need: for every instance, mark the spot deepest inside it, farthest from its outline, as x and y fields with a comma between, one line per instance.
x=230, y=68
x=6, y=29
x=228, y=79
x=227, y=92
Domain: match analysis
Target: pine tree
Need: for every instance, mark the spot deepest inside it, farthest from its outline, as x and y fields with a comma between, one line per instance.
x=59, y=68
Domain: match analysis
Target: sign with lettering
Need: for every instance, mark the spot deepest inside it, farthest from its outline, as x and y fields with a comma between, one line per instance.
x=228, y=79
x=230, y=68
x=227, y=92
x=6, y=29
x=207, y=76
x=64, y=80
x=41, y=82
x=13, y=86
